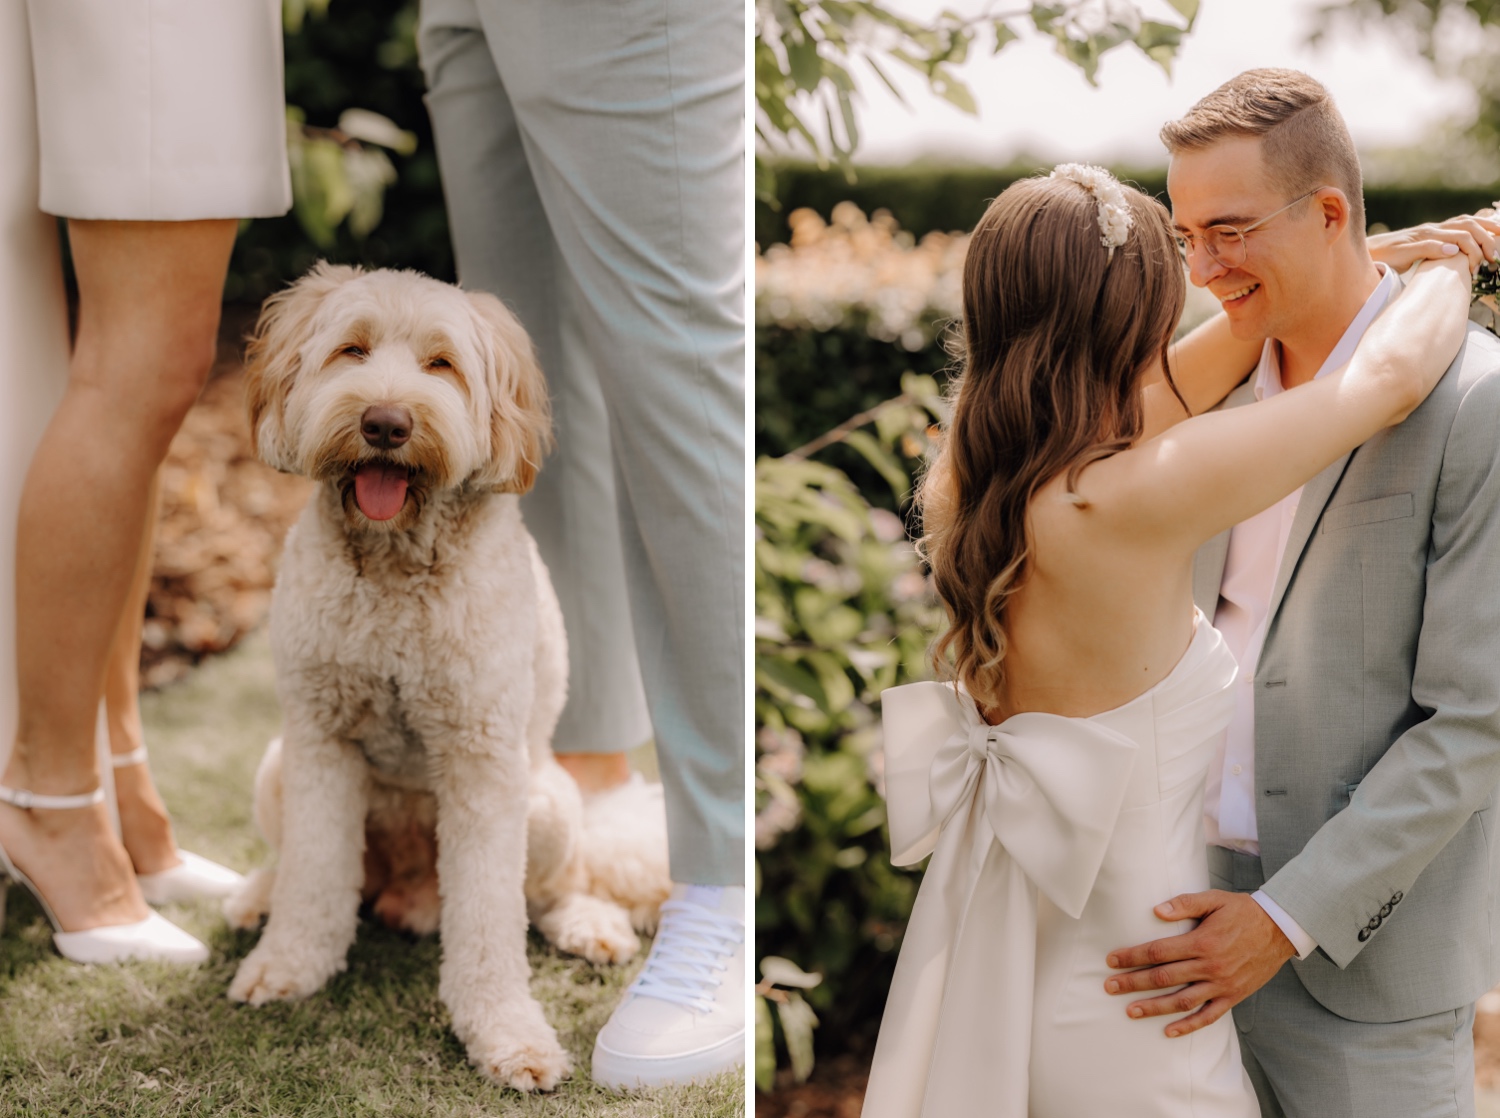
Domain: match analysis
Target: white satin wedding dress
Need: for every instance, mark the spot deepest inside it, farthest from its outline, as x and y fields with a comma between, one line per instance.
x=1052, y=839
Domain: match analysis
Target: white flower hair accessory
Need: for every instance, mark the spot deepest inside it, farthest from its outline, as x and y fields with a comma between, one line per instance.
x=1115, y=218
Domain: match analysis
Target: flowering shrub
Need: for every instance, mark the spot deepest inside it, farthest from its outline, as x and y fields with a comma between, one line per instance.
x=859, y=272
x=842, y=314
x=842, y=611
x=847, y=315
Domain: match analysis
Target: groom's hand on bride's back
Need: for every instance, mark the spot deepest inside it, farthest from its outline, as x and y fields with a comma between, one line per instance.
x=1234, y=951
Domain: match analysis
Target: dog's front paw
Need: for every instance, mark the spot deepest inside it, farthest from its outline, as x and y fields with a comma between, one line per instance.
x=268, y=975
x=599, y=930
x=525, y=1054
x=248, y=905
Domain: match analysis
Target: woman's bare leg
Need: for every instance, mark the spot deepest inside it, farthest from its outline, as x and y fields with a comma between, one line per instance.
x=149, y=296
x=144, y=824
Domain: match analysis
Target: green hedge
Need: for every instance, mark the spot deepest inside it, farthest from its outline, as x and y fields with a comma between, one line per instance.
x=924, y=197
x=807, y=382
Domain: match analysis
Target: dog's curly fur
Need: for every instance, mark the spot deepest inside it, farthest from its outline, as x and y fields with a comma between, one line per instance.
x=421, y=665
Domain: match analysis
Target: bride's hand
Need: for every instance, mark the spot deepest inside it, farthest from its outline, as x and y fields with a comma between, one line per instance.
x=1407, y=349
x=1476, y=237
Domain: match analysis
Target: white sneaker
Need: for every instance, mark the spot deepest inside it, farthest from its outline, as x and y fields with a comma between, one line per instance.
x=683, y=1018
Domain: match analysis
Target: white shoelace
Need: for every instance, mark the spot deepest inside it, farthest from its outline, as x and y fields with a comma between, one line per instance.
x=689, y=958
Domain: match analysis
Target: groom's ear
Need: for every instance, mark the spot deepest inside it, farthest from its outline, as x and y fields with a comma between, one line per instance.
x=1336, y=213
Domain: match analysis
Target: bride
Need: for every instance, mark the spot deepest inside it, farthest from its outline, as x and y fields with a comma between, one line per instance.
x=1059, y=785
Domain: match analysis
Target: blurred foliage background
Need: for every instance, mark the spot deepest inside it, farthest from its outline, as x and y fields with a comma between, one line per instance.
x=856, y=291
x=366, y=192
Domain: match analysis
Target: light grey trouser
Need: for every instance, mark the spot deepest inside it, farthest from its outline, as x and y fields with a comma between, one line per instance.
x=592, y=154
x=1308, y=1062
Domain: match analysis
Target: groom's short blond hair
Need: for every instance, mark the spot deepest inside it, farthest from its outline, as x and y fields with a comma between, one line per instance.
x=1304, y=138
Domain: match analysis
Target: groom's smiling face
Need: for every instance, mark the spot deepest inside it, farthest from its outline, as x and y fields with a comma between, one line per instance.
x=1277, y=283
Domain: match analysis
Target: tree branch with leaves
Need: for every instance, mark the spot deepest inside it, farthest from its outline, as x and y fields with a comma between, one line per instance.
x=807, y=53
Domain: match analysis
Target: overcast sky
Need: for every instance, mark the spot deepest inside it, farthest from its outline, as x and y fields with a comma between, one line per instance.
x=1033, y=101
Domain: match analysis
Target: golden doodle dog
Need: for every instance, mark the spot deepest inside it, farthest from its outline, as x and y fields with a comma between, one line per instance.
x=422, y=665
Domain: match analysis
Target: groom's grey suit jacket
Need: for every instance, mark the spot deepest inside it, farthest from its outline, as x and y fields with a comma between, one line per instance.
x=1377, y=708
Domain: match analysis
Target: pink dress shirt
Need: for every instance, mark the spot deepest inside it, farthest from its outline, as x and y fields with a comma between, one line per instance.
x=1256, y=549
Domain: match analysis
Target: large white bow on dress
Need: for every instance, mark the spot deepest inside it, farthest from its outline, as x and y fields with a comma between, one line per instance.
x=1005, y=811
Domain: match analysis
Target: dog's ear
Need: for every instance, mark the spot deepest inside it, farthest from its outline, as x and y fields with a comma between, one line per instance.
x=520, y=418
x=273, y=356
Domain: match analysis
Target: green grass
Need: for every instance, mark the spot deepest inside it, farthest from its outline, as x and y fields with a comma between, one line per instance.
x=148, y=1039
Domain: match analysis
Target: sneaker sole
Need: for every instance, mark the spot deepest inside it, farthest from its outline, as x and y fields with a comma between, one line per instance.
x=621, y=1072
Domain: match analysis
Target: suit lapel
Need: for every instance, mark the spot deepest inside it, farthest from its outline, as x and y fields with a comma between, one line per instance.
x=1315, y=495
x=1208, y=564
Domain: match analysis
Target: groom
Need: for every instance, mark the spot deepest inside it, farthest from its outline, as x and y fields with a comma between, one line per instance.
x=1351, y=811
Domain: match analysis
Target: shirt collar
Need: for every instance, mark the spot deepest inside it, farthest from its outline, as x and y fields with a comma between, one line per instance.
x=1268, y=373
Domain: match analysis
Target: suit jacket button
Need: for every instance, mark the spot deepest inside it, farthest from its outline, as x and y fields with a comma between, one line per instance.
x=1364, y=934
x=1385, y=910
x=1374, y=923
x=1397, y=898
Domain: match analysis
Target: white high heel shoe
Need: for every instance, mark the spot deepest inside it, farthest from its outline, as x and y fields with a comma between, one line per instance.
x=154, y=938
x=194, y=878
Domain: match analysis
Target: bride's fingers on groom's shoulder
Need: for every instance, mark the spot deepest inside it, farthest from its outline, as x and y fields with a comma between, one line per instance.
x=1478, y=237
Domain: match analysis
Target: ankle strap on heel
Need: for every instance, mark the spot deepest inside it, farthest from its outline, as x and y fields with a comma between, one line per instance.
x=26, y=800
x=125, y=760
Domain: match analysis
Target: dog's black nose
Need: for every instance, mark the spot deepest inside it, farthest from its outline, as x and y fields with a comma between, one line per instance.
x=385, y=426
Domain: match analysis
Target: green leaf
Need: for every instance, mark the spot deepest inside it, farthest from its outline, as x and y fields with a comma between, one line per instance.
x=924, y=389
x=950, y=89
x=1083, y=53
x=1160, y=43
x=835, y=626
x=1188, y=8
x=883, y=461
x=1004, y=36
x=776, y=674
x=1046, y=15
x=833, y=673
x=321, y=193
x=803, y=64
x=797, y=1023
x=846, y=107
x=765, y=184
x=765, y=1047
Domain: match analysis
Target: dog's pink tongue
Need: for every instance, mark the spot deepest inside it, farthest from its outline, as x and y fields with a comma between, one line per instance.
x=379, y=489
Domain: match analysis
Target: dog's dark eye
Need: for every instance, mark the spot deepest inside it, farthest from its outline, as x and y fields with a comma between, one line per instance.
x=355, y=351
x=439, y=363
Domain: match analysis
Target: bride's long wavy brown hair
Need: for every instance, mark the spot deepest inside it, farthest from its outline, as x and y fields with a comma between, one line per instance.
x=1056, y=336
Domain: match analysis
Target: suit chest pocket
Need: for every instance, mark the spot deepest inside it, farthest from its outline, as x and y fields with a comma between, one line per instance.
x=1395, y=507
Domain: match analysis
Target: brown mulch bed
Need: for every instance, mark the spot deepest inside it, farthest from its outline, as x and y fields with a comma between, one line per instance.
x=835, y=1090
x=223, y=517
x=837, y=1086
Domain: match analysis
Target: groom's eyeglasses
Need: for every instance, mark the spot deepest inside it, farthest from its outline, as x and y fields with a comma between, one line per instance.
x=1225, y=243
